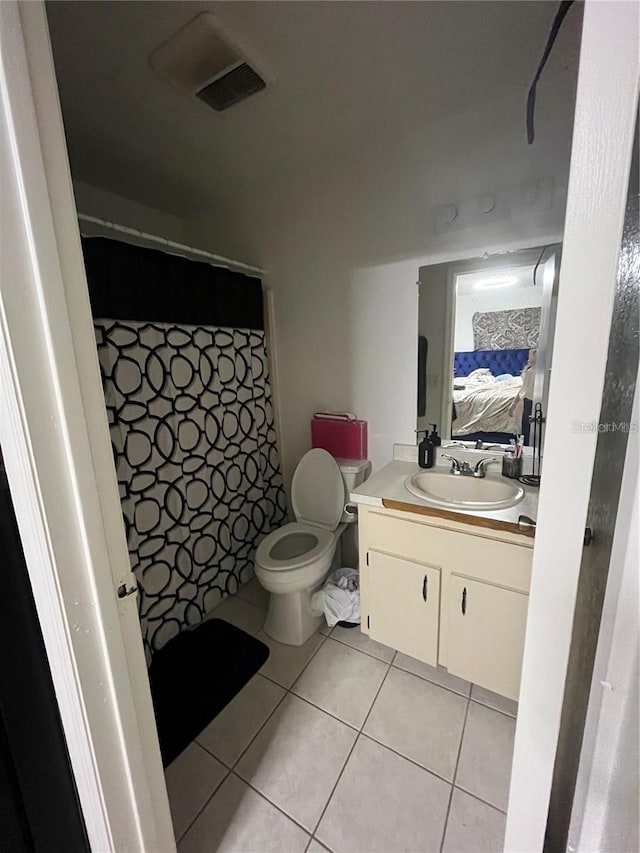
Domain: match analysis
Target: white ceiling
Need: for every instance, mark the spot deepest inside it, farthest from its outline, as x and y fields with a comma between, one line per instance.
x=345, y=73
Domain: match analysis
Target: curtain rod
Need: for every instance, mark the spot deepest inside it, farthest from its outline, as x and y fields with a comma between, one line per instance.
x=179, y=247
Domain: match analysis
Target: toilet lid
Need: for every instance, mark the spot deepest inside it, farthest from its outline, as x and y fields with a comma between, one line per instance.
x=317, y=490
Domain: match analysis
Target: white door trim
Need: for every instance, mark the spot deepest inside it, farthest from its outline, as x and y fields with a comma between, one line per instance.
x=606, y=104
x=55, y=441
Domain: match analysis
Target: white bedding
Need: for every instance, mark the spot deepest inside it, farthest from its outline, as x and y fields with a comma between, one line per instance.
x=483, y=404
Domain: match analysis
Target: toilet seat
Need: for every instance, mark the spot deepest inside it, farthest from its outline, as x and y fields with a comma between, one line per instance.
x=284, y=549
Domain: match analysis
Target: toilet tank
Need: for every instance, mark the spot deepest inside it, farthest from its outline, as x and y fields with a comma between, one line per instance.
x=354, y=472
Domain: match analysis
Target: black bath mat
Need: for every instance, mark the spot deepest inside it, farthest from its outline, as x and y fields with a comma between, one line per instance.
x=195, y=675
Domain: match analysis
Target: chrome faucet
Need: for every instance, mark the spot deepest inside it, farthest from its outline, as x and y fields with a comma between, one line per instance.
x=479, y=471
x=463, y=469
x=456, y=466
x=480, y=445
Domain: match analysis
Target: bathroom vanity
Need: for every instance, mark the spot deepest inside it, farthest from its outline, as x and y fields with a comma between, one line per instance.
x=448, y=587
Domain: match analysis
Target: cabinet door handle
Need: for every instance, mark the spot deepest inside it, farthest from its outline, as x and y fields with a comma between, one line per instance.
x=464, y=601
x=424, y=588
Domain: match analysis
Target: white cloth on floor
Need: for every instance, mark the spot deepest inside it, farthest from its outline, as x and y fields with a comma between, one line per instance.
x=339, y=598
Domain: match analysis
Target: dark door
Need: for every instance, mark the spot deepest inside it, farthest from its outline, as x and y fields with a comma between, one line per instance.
x=39, y=809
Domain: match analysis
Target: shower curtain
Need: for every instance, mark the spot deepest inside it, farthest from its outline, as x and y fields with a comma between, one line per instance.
x=186, y=382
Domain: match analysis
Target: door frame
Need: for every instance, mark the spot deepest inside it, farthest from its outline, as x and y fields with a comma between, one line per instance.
x=603, y=134
x=55, y=440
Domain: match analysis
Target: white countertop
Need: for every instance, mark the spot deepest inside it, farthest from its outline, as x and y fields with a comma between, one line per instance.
x=388, y=484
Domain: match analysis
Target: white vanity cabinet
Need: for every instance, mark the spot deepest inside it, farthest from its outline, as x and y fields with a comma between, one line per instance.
x=404, y=605
x=486, y=634
x=446, y=593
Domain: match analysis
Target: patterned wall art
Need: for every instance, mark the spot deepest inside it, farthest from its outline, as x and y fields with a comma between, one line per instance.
x=514, y=329
x=193, y=437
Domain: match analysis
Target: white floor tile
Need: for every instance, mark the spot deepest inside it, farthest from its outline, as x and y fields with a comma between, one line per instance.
x=238, y=820
x=384, y=803
x=297, y=758
x=494, y=700
x=285, y=663
x=233, y=729
x=356, y=639
x=422, y=721
x=486, y=755
x=473, y=827
x=240, y=613
x=437, y=675
x=191, y=779
x=254, y=593
x=325, y=629
x=342, y=680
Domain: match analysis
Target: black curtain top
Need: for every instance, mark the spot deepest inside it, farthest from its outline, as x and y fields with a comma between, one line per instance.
x=133, y=283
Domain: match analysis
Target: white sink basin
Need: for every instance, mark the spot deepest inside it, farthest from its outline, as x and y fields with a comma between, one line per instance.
x=450, y=491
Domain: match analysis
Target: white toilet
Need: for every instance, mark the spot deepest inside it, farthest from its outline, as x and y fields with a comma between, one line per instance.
x=293, y=561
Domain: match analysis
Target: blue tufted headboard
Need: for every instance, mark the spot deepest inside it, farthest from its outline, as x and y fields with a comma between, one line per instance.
x=498, y=361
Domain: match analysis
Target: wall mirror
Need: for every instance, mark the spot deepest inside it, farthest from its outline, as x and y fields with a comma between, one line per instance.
x=485, y=345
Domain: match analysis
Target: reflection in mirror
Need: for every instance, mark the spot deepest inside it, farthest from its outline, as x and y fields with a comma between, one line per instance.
x=485, y=329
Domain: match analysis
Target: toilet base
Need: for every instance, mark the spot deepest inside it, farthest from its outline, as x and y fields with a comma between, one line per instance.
x=289, y=618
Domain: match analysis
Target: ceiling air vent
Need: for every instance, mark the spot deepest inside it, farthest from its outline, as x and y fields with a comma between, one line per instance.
x=232, y=87
x=203, y=60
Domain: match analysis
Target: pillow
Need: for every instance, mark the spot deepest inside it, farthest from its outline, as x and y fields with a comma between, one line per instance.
x=481, y=374
x=504, y=377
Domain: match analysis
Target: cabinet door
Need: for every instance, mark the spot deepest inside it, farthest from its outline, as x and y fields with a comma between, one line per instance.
x=404, y=605
x=486, y=634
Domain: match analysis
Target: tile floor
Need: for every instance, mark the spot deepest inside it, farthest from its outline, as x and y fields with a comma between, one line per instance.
x=344, y=745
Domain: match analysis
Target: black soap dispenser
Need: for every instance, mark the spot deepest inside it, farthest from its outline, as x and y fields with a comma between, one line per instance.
x=426, y=451
x=434, y=438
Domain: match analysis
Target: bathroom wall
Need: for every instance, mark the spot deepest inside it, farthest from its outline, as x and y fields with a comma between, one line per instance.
x=94, y=201
x=343, y=249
